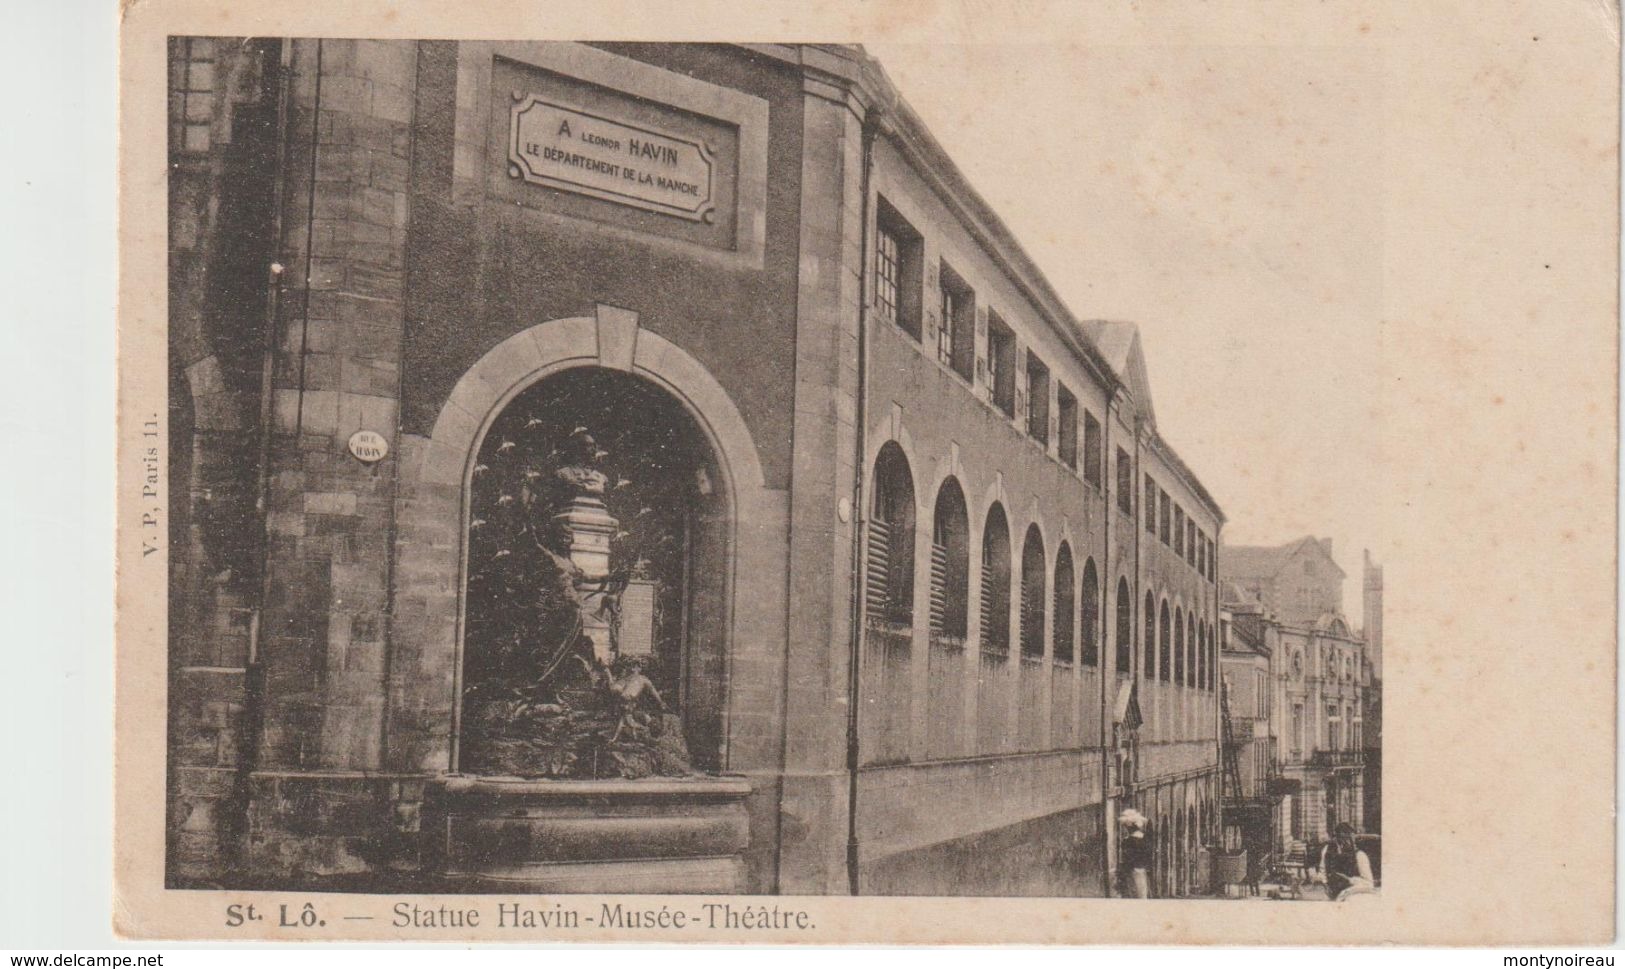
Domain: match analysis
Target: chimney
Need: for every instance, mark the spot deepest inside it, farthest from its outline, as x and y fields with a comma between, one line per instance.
x=1326, y=543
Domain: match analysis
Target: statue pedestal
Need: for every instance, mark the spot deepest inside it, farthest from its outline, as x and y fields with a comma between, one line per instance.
x=682, y=835
x=591, y=529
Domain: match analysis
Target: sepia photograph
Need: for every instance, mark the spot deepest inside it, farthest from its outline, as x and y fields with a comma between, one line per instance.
x=499, y=562
x=583, y=480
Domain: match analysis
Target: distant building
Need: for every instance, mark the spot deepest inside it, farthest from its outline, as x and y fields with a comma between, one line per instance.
x=1373, y=694
x=1249, y=661
x=1286, y=601
x=1296, y=583
x=1323, y=745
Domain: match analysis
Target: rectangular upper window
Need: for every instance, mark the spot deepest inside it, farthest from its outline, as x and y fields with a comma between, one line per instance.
x=1150, y=505
x=956, y=331
x=1190, y=542
x=898, y=252
x=1067, y=426
x=1037, y=400
x=1001, y=364
x=1091, y=449
x=1125, y=483
x=1179, y=530
x=1165, y=516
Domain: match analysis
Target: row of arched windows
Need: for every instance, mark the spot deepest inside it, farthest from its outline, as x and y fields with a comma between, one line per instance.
x=1185, y=651
x=1178, y=648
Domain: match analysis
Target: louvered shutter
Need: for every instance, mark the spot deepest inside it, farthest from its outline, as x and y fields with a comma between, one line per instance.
x=939, y=589
x=878, y=577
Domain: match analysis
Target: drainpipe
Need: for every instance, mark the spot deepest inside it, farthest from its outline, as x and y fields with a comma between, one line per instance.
x=1137, y=663
x=253, y=678
x=273, y=294
x=273, y=299
x=1108, y=607
x=1216, y=667
x=859, y=518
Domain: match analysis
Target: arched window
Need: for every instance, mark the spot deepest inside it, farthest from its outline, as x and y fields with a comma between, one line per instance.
x=950, y=563
x=995, y=583
x=1212, y=658
x=1065, y=599
x=890, y=586
x=1190, y=649
x=994, y=678
x=1091, y=614
x=1179, y=646
x=887, y=682
x=1206, y=669
x=950, y=595
x=1200, y=679
x=1206, y=672
x=1164, y=641
x=1032, y=593
x=1148, y=646
x=1125, y=628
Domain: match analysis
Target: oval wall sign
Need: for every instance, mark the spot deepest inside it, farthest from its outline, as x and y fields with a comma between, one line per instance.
x=368, y=446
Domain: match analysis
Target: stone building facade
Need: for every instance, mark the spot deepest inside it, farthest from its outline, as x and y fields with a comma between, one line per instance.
x=1372, y=737
x=1250, y=663
x=928, y=597
x=1321, y=680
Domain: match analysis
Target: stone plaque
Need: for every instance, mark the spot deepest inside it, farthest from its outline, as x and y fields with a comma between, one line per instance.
x=635, y=635
x=578, y=151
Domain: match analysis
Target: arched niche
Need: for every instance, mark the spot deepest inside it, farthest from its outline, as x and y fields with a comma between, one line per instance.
x=427, y=632
x=596, y=501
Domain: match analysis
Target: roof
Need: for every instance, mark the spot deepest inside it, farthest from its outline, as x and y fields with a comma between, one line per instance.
x=1247, y=634
x=1165, y=451
x=1266, y=561
x=1248, y=561
x=1114, y=337
x=1119, y=342
x=1334, y=624
x=1235, y=597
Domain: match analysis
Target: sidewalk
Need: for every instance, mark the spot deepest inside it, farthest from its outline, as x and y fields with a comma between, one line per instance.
x=1273, y=892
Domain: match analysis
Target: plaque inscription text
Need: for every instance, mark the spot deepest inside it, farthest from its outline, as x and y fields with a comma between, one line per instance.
x=575, y=151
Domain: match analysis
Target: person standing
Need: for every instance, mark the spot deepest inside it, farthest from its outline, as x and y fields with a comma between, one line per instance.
x=1134, y=867
x=1344, y=866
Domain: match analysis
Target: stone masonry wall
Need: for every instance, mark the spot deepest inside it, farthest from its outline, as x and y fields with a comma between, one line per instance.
x=329, y=515
x=223, y=100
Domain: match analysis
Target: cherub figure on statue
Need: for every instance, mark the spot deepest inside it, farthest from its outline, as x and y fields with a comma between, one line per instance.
x=632, y=690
